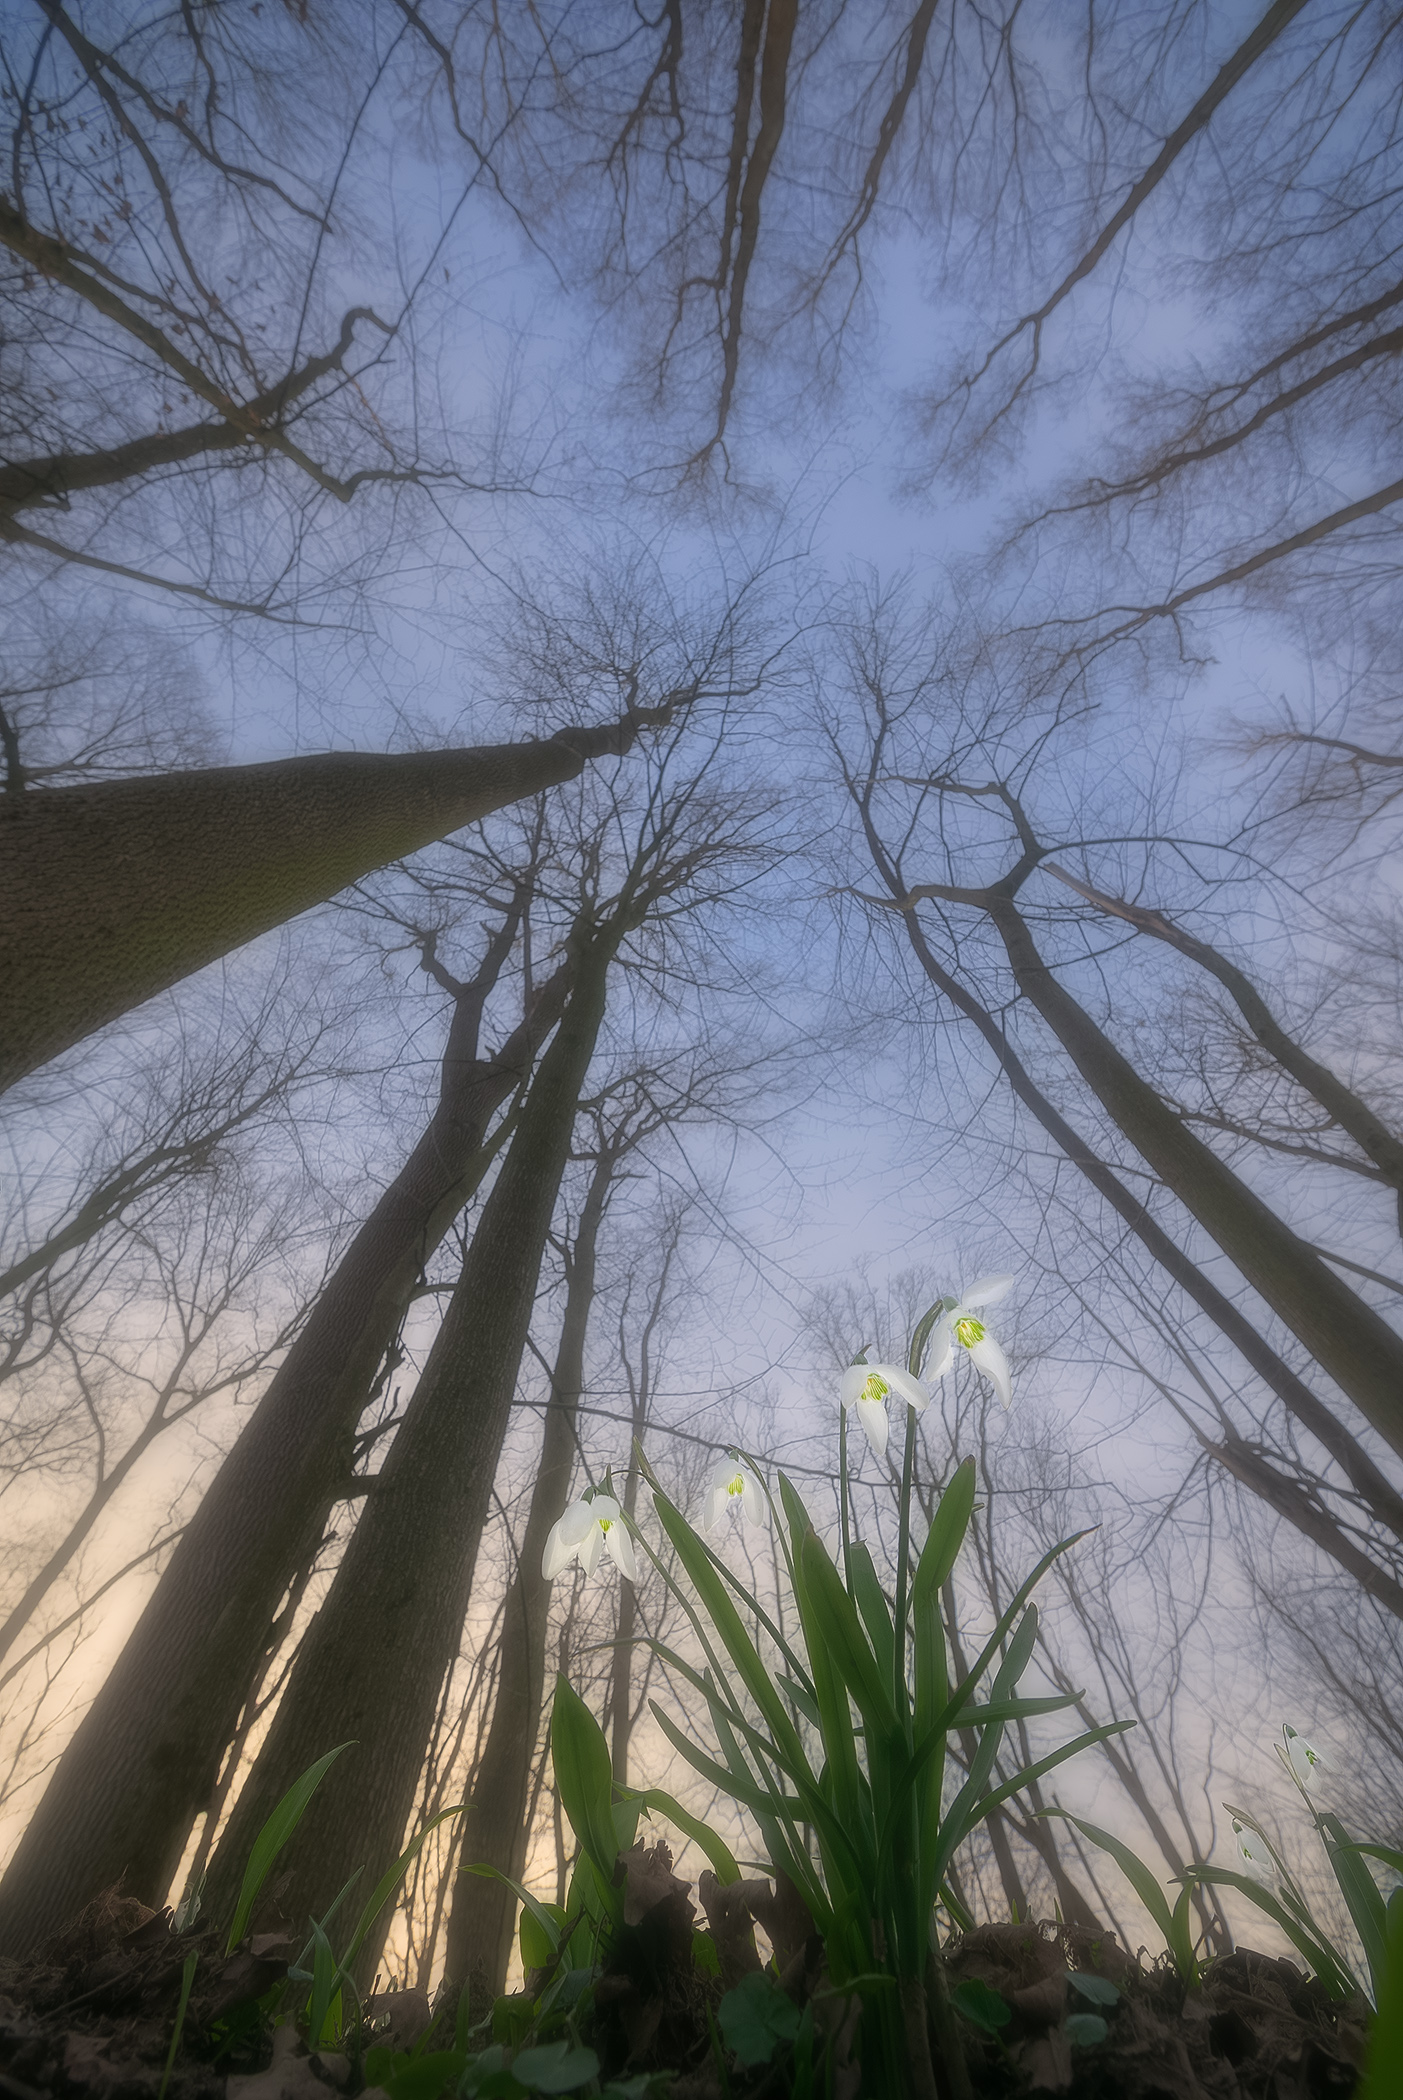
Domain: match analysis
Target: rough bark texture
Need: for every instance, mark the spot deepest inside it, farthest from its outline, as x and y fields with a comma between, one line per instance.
x=1347, y=1338
x=114, y=892
x=483, y=1912
x=142, y=1763
x=372, y=1663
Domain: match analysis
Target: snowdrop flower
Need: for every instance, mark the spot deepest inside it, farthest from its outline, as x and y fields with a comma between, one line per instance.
x=1301, y=1759
x=1253, y=1856
x=867, y=1388
x=733, y=1482
x=585, y=1530
x=962, y=1326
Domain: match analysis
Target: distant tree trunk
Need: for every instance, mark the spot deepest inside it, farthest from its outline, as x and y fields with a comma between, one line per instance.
x=1358, y=1466
x=1353, y=1114
x=494, y=1829
x=1349, y=1340
x=113, y=892
x=640, y=1385
x=372, y=1663
x=144, y=1759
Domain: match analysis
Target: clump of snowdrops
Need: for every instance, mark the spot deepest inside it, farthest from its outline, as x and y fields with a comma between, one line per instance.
x=835, y=1738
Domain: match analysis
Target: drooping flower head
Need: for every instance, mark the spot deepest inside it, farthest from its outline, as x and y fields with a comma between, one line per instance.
x=1301, y=1759
x=1252, y=1854
x=868, y=1387
x=962, y=1328
x=733, y=1484
x=583, y=1531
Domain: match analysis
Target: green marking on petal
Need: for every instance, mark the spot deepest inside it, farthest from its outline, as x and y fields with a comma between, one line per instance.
x=969, y=1331
x=876, y=1388
x=736, y=1486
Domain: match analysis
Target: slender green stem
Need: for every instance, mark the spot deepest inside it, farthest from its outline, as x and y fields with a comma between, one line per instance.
x=843, y=1514
x=187, y=1977
x=903, y=1559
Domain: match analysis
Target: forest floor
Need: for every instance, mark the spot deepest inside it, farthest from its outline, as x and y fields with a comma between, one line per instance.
x=1042, y=2009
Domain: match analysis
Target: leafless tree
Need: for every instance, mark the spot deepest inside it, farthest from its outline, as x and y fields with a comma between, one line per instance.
x=204, y=330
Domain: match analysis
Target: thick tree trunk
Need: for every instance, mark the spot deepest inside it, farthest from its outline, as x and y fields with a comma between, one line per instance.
x=113, y=892
x=144, y=1759
x=372, y=1663
x=1348, y=1339
x=494, y=1831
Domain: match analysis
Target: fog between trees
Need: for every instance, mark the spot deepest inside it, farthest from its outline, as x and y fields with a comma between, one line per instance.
x=669, y=683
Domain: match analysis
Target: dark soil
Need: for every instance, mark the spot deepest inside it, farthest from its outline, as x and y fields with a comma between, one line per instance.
x=93, y=2019
x=1255, y=2029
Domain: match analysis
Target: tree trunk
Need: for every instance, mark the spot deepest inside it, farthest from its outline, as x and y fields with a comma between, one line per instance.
x=113, y=892
x=494, y=1829
x=1353, y=1115
x=145, y=1757
x=372, y=1663
x=1348, y=1339
x=1359, y=1468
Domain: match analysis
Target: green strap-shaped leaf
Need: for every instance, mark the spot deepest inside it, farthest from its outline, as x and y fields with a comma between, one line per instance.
x=584, y=1777
x=390, y=1881
x=1013, y=1710
x=951, y=1836
x=326, y=1975
x=543, y=1914
x=1386, y=1853
x=870, y=1599
x=1357, y=1886
x=1383, y=2074
x=718, y=1853
x=845, y=1788
x=271, y=1839
x=757, y=1680
x=840, y=1630
x=1150, y=1891
x=1327, y=1961
x=742, y=1788
x=947, y=1531
x=1010, y=1670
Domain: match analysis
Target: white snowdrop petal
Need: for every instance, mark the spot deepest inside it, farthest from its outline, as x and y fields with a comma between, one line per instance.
x=620, y=1547
x=988, y=1291
x=558, y=1553
x=851, y=1384
x=994, y=1364
x=574, y=1523
x=942, y=1349
x=908, y=1389
x=873, y=1417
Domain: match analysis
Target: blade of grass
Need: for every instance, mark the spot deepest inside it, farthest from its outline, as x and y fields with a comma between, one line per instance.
x=187, y=1978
